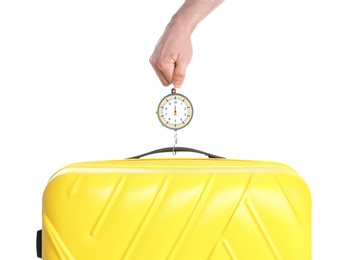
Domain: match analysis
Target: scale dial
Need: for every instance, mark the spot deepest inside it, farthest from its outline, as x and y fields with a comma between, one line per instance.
x=175, y=111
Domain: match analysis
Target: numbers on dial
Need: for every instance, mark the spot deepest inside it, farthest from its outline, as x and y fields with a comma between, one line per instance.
x=178, y=110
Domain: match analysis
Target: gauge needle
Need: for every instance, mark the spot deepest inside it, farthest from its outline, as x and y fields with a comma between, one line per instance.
x=174, y=111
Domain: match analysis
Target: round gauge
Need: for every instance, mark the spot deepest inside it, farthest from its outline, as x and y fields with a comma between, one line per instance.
x=175, y=111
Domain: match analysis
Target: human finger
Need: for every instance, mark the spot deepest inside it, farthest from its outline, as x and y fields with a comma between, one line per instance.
x=167, y=68
x=179, y=74
x=159, y=73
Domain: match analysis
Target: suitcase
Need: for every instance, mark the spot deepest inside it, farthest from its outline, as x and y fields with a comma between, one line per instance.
x=176, y=208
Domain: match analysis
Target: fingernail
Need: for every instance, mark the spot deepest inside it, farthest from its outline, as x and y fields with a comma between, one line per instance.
x=177, y=84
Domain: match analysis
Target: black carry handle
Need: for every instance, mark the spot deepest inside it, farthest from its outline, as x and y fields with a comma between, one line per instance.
x=176, y=149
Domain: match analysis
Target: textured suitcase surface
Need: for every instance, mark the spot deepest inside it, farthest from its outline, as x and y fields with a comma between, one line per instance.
x=176, y=209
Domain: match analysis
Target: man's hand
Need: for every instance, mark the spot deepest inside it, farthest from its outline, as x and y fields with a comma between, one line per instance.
x=173, y=52
x=172, y=55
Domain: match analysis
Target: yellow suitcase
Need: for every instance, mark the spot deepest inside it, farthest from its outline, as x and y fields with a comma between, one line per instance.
x=178, y=208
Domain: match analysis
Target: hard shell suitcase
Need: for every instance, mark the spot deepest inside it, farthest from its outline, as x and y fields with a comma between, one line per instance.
x=179, y=208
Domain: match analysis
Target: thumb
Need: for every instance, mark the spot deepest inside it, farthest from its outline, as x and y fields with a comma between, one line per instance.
x=179, y=74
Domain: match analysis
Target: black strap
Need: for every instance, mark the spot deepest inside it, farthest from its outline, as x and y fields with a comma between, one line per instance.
x=176, y=149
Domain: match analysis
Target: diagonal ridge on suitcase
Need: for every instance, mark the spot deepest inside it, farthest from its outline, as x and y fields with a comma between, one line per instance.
x=193, y=216
x=109, y=205
x=254, y=213
x=60, y=247
x=229, y=249
x=148, y=215
x=75, y=186
x=289, y=199
x=245, y=188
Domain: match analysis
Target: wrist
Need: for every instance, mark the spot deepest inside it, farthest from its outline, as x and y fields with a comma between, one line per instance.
x=186, y=19
x=181, y=26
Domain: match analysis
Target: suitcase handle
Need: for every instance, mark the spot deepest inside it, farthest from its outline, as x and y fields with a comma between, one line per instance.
x=176, y=149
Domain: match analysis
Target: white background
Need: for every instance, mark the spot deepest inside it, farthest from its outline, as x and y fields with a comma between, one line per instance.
x=269, y=80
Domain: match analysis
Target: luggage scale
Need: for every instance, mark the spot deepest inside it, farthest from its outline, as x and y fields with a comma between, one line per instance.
x=175, y=112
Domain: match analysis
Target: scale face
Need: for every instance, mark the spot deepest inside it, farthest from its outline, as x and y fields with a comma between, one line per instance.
x=175, y=111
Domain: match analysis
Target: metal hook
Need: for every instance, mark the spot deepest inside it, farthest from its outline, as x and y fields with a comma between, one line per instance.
x=173, y=91
x=176, y=138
